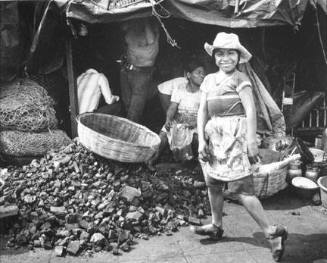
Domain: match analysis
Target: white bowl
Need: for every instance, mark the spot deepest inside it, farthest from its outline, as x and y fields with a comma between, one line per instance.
x=304, y=183
x=304, y=187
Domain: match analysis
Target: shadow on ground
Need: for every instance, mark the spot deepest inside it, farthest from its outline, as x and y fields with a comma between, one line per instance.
x=249, y=240
x=306, y=248
x=285, y=200
x=299, y=248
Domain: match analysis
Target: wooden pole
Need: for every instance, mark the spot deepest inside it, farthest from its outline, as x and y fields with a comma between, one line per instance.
x=72, y=88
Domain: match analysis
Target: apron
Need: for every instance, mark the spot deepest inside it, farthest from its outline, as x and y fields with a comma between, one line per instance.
x=228, y=148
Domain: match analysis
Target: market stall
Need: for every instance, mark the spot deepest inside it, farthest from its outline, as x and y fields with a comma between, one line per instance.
x=67, y=202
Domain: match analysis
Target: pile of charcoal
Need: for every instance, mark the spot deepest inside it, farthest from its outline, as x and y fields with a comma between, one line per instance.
x=78, y=203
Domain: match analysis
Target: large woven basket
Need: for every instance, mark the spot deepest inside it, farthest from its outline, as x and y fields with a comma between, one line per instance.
x=116, y=138
x=269, y=180
x=266, y=185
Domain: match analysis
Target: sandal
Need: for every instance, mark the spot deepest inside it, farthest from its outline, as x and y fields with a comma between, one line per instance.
x=277, y=240
x=214, y=232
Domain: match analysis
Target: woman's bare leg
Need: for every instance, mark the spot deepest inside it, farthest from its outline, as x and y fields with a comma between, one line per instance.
x=276, y=235
x=255, y=209
x=213, y=230
x=216, y=199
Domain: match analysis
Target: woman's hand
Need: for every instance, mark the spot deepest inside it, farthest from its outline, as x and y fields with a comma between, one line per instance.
x=204, y=153
x=253, y=152
x=113, y=99
x=170, y=114
x=168, y=124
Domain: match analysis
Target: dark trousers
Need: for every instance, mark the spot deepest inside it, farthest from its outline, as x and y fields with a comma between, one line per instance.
x=139, y=99
x=136, y=87
x=112, y=109
x=153, y=116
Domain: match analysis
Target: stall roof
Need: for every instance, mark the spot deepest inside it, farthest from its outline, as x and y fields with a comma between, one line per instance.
x=227, y=13
x=322, y=4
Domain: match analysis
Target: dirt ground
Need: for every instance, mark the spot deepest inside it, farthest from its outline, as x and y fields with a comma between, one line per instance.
x=243, y=241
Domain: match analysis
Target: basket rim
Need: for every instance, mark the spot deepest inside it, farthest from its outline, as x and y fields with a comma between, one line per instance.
x=319, y=182
x=78, y=119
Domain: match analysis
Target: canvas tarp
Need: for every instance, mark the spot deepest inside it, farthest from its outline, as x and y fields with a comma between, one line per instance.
x=227, y=13
x=321, y=3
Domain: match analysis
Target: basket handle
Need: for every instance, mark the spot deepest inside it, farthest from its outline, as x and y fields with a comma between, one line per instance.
x=267, y=168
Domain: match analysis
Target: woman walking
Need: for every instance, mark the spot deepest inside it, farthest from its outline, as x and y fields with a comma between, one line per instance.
x=227, y=140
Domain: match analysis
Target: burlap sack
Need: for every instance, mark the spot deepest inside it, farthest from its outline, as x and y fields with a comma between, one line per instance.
x=17, y=143
x=26, y=106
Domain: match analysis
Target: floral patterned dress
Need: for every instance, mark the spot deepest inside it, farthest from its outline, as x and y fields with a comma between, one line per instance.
x=227, y=127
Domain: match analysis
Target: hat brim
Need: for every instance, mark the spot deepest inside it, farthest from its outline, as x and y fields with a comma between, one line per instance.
x=245, y=55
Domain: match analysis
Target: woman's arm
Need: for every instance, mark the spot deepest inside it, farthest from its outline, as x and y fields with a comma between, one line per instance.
x=164, y=101
x=171, y=114
x=251, y=119
x=105, y=90
x=202, y=117
x=201, y=122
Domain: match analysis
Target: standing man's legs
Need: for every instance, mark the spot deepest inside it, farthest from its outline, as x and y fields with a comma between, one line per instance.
x=139, y=82
x=112, y=109
x=125, y=88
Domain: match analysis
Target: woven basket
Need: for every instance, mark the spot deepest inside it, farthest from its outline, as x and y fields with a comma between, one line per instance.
x=266, y=185
x=272, y=180
x=116, y=138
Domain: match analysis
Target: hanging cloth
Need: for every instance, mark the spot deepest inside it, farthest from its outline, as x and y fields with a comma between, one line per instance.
x=267, y=109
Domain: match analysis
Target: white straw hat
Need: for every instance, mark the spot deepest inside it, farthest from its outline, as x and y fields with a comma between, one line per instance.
x=230, y=41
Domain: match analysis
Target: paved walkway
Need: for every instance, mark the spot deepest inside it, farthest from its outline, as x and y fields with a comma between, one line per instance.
x=244, y=242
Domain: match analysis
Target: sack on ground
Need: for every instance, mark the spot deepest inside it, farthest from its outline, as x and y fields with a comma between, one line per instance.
x=26, y=106
x=17, y=143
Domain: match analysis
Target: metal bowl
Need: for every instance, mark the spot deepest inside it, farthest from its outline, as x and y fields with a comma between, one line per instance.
x=304, y=187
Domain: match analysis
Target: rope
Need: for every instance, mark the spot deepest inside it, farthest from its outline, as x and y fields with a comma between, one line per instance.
x=155, y=13
x=100, y=6
x=37, y=34
x=170, y=40
x=135, y=2
x=319, y=34
x=68, y=21
x=155, y=3
x=36, y=38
